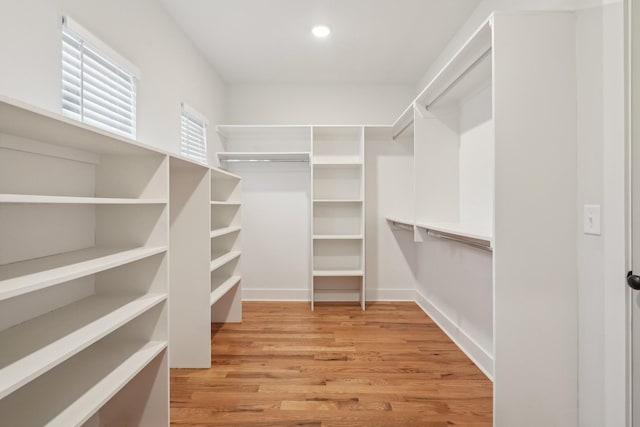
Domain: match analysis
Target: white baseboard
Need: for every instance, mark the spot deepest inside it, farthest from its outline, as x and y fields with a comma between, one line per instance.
x=477, y=354
x=304, y=295
x=276, y=295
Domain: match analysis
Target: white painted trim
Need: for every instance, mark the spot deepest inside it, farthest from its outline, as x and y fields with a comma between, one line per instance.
x=482, y=359
x=104, y=48
x=275, y=294
x=401, y=295
x=404, y=295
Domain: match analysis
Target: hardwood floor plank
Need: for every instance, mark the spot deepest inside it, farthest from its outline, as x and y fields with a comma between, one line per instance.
x=334, y=367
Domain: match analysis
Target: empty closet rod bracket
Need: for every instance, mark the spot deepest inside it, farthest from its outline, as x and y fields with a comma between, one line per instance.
x=459, y=78
x=475, y=244
x=405, y=127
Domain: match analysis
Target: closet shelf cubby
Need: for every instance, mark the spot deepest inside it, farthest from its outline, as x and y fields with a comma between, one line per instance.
x=94, y=377
x=223, y=289
x=32, y=275
x=220, y=260
x=32, y=348
x=84, y=243
x=42, y=199
x=224, y=231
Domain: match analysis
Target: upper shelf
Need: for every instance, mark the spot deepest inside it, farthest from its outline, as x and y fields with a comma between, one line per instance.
x=26, y=121
x=461, y=232
x=261, y=156
x=404, y=123
x=469, y=68
x=38, y=199
x=28, y=276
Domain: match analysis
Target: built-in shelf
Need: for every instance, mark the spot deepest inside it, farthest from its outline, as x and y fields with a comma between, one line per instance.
x=32, y=348
x=222, y=290
x=219, y=174
x=263, y=156
x=338, y=236
x=27, y=276
x=224, y=231
x=337, y=273
x=465, y=233
x=38, y=199
x=337, y=201
x=217, y=203
x=96, y=376
x=223, y=259
x=336, y=162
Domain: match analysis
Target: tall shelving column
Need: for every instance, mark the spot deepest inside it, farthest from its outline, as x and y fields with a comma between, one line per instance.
x=83, y=274
x=338, y=261
x=225, y=294
x=189, y=314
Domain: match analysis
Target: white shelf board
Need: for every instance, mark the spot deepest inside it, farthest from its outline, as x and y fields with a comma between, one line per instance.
x=27, y=276
x=404, y=123
x=222, y=174
x=471, y=51
x=32, y=348
x=259, y=131
x=38, y=199
x=338, y=237
x=302, y=156
x=337, y=273
x=26, y=121
x=337, y=201
x=219, y=203
x=337, y=161
x=224, y=231
x=223, y=259
x=222, y=290
x=460, y=230
x=96, y=375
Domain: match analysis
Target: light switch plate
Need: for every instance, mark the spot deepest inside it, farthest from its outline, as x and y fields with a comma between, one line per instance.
x=592, y=219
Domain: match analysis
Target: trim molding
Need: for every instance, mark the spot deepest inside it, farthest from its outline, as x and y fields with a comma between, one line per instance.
x=477, y=354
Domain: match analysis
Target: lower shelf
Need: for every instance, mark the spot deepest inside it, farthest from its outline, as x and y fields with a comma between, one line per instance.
x=222, y=290
x=337, y=273
x=222, y=259
x=90, y=379
x=32, y=348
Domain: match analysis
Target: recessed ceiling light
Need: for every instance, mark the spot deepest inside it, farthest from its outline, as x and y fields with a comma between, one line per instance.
x=321, y=31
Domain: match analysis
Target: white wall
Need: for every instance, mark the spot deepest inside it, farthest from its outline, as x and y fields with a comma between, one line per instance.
x=319, y=104
x=276, y=238
x=172, y=70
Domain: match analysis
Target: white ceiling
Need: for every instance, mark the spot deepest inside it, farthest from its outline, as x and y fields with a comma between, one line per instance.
x=270, y=41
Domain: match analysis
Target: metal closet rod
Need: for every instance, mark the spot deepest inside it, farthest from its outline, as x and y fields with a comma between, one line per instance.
x=401, y=225
x=264, y=161
x=460, y=77
x=405, y=127
x=432, y=233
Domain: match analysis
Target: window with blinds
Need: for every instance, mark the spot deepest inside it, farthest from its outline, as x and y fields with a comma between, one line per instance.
x=95, y=89
x=193, y=135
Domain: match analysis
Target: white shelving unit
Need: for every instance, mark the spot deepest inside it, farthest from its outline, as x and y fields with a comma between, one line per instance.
x=225, y=294
x=338, y=214
x=494, y=141
x=189, y=313
x=83, y=274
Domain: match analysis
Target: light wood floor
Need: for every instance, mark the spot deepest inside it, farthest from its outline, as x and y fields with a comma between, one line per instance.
x=338, y=366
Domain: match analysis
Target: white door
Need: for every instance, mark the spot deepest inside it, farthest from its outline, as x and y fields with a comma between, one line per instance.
x=634, y=276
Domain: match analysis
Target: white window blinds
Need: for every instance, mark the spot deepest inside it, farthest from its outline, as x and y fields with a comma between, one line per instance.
x=95, y=89
x=193, y=135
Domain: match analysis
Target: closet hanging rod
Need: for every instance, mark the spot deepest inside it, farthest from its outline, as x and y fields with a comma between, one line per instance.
x=486, y=247
x=459, y=78
x=264, y=160
x=405, y=127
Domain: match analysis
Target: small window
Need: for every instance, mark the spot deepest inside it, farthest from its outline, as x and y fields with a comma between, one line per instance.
x=193, y=135
x=96, y=88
